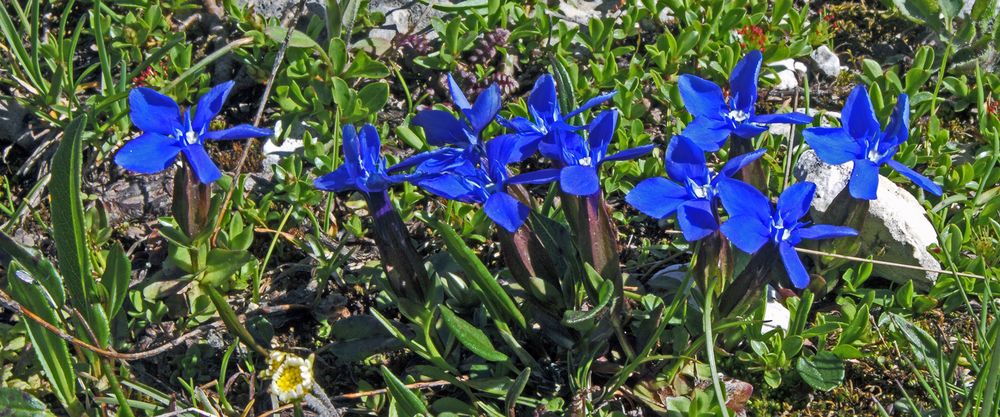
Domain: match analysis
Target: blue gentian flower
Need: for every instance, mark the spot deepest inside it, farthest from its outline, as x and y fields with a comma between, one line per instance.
x=715, y=119
x=168, y=132
x=547, y=120
x=581, y=159
x=364, y=169
x=862, y=140
x=753, y=223
x=691, y=191
x=456, y=176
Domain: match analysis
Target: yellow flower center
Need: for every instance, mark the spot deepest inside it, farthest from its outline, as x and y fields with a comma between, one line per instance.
x=290, y=378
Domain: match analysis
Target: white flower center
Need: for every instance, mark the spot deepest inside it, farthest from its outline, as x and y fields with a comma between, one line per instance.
x=738, y=116
x=585, y=161
x=700, y=191
x=190, y=137
x=780, y=233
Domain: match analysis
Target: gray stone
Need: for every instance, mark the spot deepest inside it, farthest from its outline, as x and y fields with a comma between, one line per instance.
x=896, y=229
x=582, y=11
x=277, y=8
x=776, y=315
x=14, y=122
x=788, y=71
x=827, y=61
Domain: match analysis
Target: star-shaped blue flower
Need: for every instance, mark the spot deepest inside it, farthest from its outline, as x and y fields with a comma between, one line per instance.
x=753, y=223
x=581, y=159
x=168, y=132
x=547, y=120
x=715, y=119
x=861, y=139
x=443, y=128
x=457, y=176
x=691, y=192
x=364, y=169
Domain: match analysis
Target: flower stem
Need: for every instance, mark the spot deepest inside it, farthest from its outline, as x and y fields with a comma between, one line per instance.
x=230, y=319
x=404, y=268
x=747, y=286
x=192, y=200
x=706, y=321
x=752, y=173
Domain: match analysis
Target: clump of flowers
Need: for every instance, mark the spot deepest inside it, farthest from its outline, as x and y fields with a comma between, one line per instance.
x=486, y=47
x=291, y=376
x=752, y=36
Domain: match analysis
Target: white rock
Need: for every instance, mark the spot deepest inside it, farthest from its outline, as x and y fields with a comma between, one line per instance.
x=776, y=316
x=896, y=230
x=785, y=129
x=827, y=61
x=273, y=153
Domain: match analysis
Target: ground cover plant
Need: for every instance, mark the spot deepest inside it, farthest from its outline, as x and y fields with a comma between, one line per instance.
x=479, y=207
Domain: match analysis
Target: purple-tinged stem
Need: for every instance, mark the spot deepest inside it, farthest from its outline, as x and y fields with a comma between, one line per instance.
x=752, y=173
x=404, y=268
x=192, y=200
x=747, y=287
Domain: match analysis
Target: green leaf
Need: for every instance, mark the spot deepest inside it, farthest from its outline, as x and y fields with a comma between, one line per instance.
x=297, y=40
x=20, y=404
x=39, y=268
x=373, y=96
x=497, y=302
x=67, y=214
x=824, y=371
x=364, y=66
x=116, y=278
x=222, y=264
x=516, y=389
x=471, y=337
x=924, y=347
x=51, y=350
x=408, y=403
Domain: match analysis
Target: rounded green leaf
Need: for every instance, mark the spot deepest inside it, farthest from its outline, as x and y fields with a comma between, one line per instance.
x=824, y=371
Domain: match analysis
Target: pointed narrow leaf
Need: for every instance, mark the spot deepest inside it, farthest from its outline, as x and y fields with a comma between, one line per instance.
x=67, y=214
x=20, y=404
x=497, y=302
x=471, y=337
x=408, y=402
x=515, y=391
x=116, y=279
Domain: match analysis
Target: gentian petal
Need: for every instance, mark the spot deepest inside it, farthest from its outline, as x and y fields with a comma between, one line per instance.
x=238, y=132
x=743, y=82
x=793, y=265
x=542, y=176
x=572, y=147
x=453, y=187
x=579, y=180
x=543, y=100
x=916, y=177
x=696, y=219
x=746, y=233
x=522, y=147
x=485, y=110
x=457, y=96
x=443, y=158
x=351, y=145
x=148, y=154
x=795, y=201
x=600, y=133
x=202, y=164
x=858, y=116
x=590, y=104
x=506, y=211
x=518, y=124
x=441, y=128
x=338, y=180
x=632, y=153
x=864, y=180
x=898, y=129
x=743, y=200
x=685, y=160
x=824, y=231
x=657, y=197
x=793, y=118
x=749, y=130
x=702, y=98
x=708, y=133
x=210, y=105
x=371, y=148
x=736, y=163
x=833, y=144
x=153, y=112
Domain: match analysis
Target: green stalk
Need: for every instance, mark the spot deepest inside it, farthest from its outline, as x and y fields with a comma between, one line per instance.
x=123, y=408
x=231, y=320
x=267, y=257
x=706, y=321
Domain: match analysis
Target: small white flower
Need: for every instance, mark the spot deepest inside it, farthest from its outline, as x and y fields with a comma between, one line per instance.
x=585, y=161
x=291, y=376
